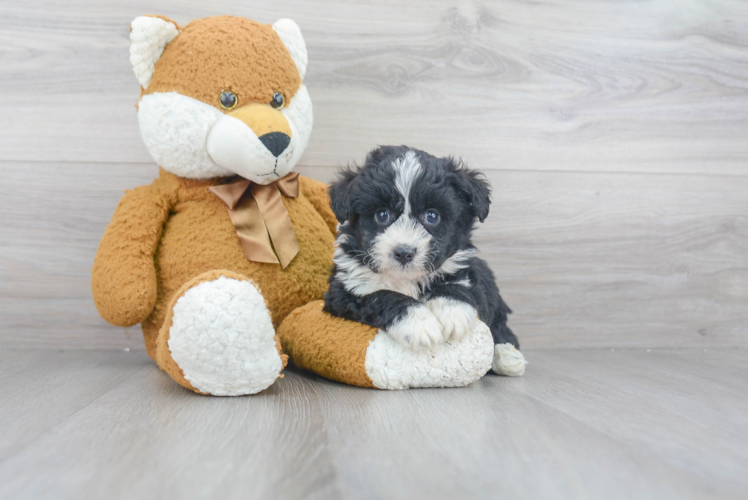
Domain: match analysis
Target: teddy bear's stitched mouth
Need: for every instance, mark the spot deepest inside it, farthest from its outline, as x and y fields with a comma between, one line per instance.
x=274, y=172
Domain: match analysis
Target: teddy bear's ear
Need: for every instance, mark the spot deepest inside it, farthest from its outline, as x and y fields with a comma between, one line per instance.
x=148, y=37
x=290, y=34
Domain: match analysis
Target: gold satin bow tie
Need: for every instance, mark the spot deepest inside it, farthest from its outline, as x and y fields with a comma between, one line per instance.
x=260, y=217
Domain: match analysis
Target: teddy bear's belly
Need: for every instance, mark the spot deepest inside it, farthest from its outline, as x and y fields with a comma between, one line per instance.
x=199, y=238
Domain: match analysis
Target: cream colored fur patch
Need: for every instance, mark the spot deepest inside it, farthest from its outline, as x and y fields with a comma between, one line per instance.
x=222, y=338
x=508, y=361
x=453, y=364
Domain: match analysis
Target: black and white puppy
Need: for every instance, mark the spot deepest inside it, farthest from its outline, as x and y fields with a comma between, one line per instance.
x=404, y=261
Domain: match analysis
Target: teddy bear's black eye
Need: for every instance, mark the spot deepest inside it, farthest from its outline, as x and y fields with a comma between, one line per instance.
x=228, y=99
x=431, y=217
x=278, y=100
x=382, y=216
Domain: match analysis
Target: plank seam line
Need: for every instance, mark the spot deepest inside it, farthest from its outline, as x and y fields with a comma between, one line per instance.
x=511, y=170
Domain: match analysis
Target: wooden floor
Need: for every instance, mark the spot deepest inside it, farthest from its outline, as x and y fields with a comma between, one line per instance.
x=581, y=424
x=614, y=135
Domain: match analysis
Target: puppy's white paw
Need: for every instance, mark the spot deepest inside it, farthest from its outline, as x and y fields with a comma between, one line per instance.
x=508, y=361
x=457, y=318
x=418, y=329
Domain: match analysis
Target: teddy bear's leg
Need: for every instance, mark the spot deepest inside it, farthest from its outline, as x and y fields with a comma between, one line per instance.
x=218, y=337
x=361, y=355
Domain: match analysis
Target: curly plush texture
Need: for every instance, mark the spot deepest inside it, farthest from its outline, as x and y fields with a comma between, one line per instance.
x=252, y=62
x=175, y=130
x=220, y=335
x=165, y=234
x=124, y=281
x=163, y=353
x=170, y=259
x=148, y=37
x=357, y=354
x=290, y=33
x=452, y=364
x=334, y=348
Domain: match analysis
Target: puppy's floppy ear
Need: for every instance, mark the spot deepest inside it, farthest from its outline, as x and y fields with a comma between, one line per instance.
x=476, y=190
x=340, y=193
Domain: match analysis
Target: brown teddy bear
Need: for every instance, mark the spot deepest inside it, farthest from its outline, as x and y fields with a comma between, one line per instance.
x=210, y=262
x=228, y=241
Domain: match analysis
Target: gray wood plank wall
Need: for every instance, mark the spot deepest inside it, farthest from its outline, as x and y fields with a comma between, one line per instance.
x=615, y=135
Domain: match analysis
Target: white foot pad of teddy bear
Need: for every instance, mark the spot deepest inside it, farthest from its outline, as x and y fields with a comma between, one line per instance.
x=223, y=339
x=389, y=365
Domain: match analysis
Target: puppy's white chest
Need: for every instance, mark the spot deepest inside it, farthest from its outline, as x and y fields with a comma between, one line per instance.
x=406, y=287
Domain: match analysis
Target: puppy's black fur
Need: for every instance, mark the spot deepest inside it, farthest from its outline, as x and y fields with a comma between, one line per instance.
x=447, y=266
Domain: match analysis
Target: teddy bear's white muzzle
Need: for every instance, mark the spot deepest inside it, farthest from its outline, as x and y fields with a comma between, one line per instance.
x=234, y=146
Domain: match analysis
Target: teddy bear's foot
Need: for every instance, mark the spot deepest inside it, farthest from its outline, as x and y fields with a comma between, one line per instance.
x=219, y=338
x=456, y=363
x=361, y=355
x=508, y=361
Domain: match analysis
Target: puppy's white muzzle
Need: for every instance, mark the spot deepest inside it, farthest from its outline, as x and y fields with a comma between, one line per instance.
x=405, y=233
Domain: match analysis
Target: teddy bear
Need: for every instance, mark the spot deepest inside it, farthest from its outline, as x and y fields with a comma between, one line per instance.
x=228, y=241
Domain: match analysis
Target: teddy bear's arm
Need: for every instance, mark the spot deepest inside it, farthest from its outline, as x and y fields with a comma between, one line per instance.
x=316, y=192
x=123, y=278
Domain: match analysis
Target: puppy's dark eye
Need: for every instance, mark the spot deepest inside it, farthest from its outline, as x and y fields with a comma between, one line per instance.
x=382, y=216
x=431, y=217
x=277, y=101
x=228, y=100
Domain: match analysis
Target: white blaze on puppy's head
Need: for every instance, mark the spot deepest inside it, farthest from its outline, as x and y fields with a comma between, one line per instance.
x=222, y=96
x=406, y=235
x=407, y=169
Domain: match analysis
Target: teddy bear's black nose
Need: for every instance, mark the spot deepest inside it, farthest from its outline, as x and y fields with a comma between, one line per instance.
x=275, y=142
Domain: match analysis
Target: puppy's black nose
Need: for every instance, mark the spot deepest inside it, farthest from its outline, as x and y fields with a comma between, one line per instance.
x=275, y=142
x=404, y=254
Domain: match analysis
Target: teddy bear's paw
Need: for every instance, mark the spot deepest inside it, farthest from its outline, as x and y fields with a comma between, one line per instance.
x=451, y=364
x=222, y=338
x=418, y=329
x=456, y=318
x=508, y=361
